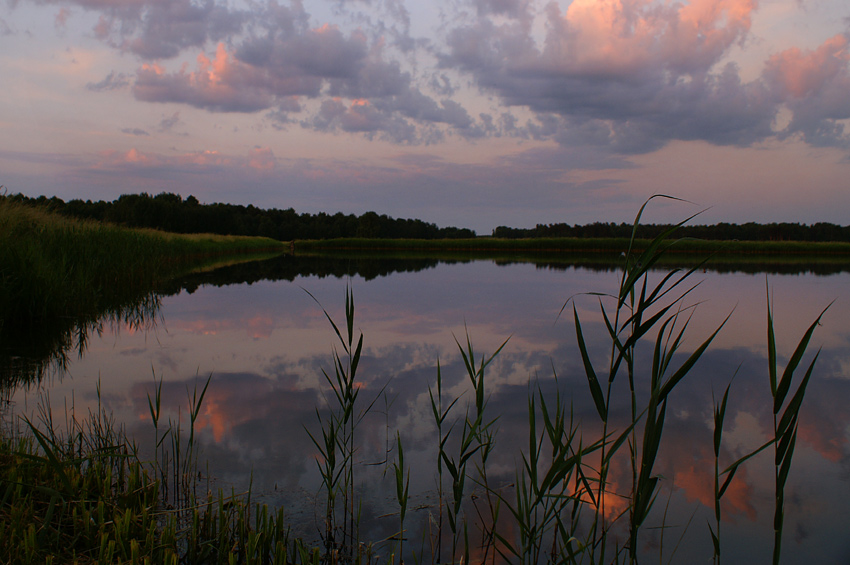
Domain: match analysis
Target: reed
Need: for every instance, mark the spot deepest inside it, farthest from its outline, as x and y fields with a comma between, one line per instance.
x=55, y=266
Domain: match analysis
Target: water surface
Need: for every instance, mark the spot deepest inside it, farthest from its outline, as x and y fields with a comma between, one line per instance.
x=263, y=342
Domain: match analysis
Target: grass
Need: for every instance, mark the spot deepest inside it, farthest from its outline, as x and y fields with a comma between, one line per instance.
x=54, y=266
x=85, y=497
x=579, y=245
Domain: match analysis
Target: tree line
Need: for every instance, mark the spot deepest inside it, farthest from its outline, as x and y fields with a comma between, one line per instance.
x=171, y=212
x=723, y=231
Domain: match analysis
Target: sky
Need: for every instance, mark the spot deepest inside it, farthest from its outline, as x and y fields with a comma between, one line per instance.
x=471, y=113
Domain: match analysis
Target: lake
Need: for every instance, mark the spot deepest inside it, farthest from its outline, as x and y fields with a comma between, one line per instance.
x=259, y=336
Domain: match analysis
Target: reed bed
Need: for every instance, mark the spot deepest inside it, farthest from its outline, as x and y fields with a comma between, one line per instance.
x=55, y=266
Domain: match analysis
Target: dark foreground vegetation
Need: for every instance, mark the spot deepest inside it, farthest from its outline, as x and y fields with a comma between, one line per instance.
x=85, y=497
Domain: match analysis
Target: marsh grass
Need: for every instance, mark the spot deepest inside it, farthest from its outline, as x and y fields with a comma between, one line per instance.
x=82, y=495
x=54, y=266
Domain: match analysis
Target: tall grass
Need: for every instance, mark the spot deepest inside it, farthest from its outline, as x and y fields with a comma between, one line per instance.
x=55, y=266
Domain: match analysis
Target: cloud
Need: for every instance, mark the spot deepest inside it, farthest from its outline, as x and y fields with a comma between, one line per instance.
x=511, y=8
x=61, y=19
x=813, y=84
x=168, y=122
x=221, y=84
x=134, y=131
x=157, y=29
x=185, y=162
x=261, y=159
x=360, y=90
x=628, y=75
x=361, y=116
x=113, y=81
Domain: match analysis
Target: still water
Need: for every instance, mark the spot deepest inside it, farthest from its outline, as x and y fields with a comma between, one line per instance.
x=264, y=342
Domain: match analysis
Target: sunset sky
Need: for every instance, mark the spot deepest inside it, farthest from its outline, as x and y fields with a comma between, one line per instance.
x=474, y=113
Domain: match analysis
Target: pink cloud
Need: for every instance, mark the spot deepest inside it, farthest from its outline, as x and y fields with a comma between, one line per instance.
x=799, y=73
x=221, y=84
x=261, y=159
x=814, y=84
x=62, y=17
x=625, y=36
x=257, y=158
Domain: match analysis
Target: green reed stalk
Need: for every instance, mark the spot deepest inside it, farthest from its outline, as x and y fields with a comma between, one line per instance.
x=484, y=433
x=439, y=417
x=785, y=420
x=544, y=509
x=476, y=436
x=337, y=446
x=402, y=485
x=639, y=308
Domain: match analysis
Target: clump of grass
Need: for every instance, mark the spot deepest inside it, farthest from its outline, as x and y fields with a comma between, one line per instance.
x=84, y=496
x=337, y=445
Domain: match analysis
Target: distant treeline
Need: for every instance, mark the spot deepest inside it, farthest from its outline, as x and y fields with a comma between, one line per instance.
x=750, y=231
x=170, y=212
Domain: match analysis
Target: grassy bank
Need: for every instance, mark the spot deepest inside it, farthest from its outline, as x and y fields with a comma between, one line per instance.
x=613, y=246
x=54, y=266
